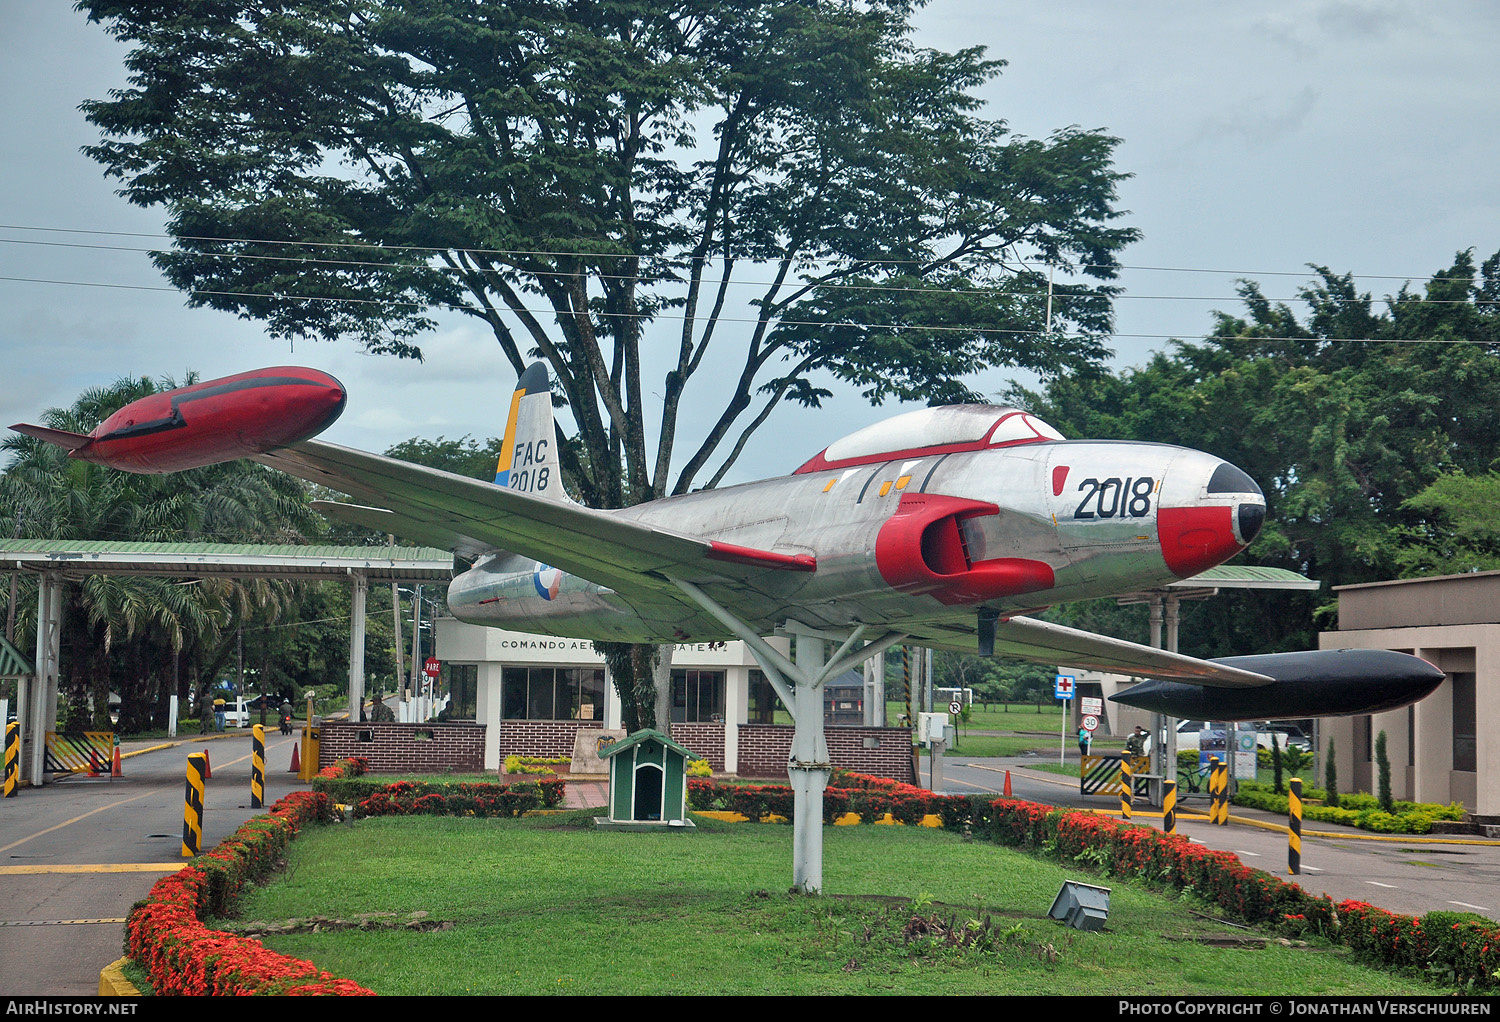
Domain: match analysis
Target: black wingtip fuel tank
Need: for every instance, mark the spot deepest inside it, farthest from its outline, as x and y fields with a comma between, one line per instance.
x=1317, y=683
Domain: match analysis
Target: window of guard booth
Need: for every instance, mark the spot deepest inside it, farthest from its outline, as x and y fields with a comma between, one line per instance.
x=552, y=693
x=463, y=691
x=697, y=696
x=765, y=705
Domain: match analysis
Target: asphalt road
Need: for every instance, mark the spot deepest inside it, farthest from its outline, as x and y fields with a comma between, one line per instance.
x=75, y=855
x=1399, y=872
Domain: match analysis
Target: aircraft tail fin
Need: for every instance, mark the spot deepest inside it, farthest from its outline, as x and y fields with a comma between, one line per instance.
x=528, y=454
x=60, y=437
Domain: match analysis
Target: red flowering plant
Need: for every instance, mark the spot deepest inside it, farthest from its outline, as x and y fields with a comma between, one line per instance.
x=166, y=936
x=1466, y=944
x=403, y=798
x=1018, y=823
x=354, y=766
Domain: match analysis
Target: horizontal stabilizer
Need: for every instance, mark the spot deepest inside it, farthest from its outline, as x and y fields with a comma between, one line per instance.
x=1316, y=683
x=60, y=437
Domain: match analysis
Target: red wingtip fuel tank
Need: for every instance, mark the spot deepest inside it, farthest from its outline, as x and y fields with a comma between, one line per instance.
x=207, y=423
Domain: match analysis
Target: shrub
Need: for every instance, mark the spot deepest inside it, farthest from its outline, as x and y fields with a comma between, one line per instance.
x=408, y=798
x=1383, y=773
x=165, y=935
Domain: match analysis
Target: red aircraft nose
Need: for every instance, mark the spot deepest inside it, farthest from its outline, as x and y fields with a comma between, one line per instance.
x=1195, y=538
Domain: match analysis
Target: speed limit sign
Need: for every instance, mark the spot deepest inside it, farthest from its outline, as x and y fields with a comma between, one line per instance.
x=1090, y=723
x=956, y=708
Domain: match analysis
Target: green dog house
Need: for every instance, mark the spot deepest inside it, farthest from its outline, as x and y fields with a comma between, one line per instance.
x=647, y=782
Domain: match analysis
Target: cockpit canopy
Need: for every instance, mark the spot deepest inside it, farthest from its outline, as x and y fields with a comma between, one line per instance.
x=942, y=430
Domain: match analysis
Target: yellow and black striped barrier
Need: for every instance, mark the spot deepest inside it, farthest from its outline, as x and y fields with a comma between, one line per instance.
x=1215, y=779
x=1169, y=807
x=1100, y=775
x=12, y=758
x=1127, y=787
x=192, y=808
x=1294, y=828
x=79, y=752
x=258, y=766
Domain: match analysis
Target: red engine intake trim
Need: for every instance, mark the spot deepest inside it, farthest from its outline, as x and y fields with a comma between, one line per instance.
x=920, y=549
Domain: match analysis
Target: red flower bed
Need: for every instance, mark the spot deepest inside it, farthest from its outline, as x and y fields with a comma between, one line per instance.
x=354, y=766
x=408, y=798
x=165, y=934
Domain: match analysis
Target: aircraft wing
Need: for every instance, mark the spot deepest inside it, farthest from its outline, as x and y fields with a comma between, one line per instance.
x=1044, y=642
x=470, y=515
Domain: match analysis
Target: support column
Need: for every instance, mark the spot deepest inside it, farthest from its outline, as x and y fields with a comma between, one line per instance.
x=1163, y=728
x=808, y=767
x=799, y=683
x=487, y=710
x=736, y=699
x=44, y=682
x=361, y=591
x=875, y=691
x=1174, y=622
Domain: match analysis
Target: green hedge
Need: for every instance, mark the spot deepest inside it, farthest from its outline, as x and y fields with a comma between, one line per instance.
x=1357, y=810
x=1456, y=948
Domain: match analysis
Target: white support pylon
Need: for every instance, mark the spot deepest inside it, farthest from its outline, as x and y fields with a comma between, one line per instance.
x=799, y=684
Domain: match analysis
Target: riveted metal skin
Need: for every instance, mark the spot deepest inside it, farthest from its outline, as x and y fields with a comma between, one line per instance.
x=1009, y=529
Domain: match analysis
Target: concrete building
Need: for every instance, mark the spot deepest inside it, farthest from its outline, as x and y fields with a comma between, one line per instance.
x=1445, y=748
x=534, y=693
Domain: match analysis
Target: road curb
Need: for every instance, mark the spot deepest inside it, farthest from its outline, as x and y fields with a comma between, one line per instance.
x=112, y=981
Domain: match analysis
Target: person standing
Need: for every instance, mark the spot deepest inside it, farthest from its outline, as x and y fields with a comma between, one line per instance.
x=1084, y=738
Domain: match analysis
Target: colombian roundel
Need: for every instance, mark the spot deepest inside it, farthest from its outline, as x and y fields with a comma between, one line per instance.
x=547, y=579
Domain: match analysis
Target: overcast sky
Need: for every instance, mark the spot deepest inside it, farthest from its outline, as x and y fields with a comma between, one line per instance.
x=1261, y=137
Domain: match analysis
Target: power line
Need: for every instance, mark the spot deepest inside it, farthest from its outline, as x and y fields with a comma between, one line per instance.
x=903, y=327
x=1057, y=295
x=709, y=260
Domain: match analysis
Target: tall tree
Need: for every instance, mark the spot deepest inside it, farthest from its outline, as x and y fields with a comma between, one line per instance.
x=1371, y=432
x=346, y=170
x=795, y=181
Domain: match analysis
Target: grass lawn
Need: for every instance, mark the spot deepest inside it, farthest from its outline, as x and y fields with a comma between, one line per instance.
x=546, y=904
x=983, y=746
x=1046, y=717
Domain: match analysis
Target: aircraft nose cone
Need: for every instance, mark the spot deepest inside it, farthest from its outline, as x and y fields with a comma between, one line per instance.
x=1223, y=519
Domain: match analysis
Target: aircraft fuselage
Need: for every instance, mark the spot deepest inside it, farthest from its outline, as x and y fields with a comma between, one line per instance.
x=923, y=536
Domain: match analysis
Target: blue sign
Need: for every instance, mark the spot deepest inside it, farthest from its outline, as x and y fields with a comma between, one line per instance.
x=1064, y=685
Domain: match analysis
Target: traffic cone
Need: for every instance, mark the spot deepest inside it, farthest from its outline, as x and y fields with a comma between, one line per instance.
x=1007, y=784
x=207, y=773
x=93, y=762
x=115, y=771
x=296, y=759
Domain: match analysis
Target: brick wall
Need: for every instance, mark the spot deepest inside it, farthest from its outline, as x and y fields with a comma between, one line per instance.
x=707, y=740
x=549, y=738
x=459, y=745
x=765, y=748
x=396, y=748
